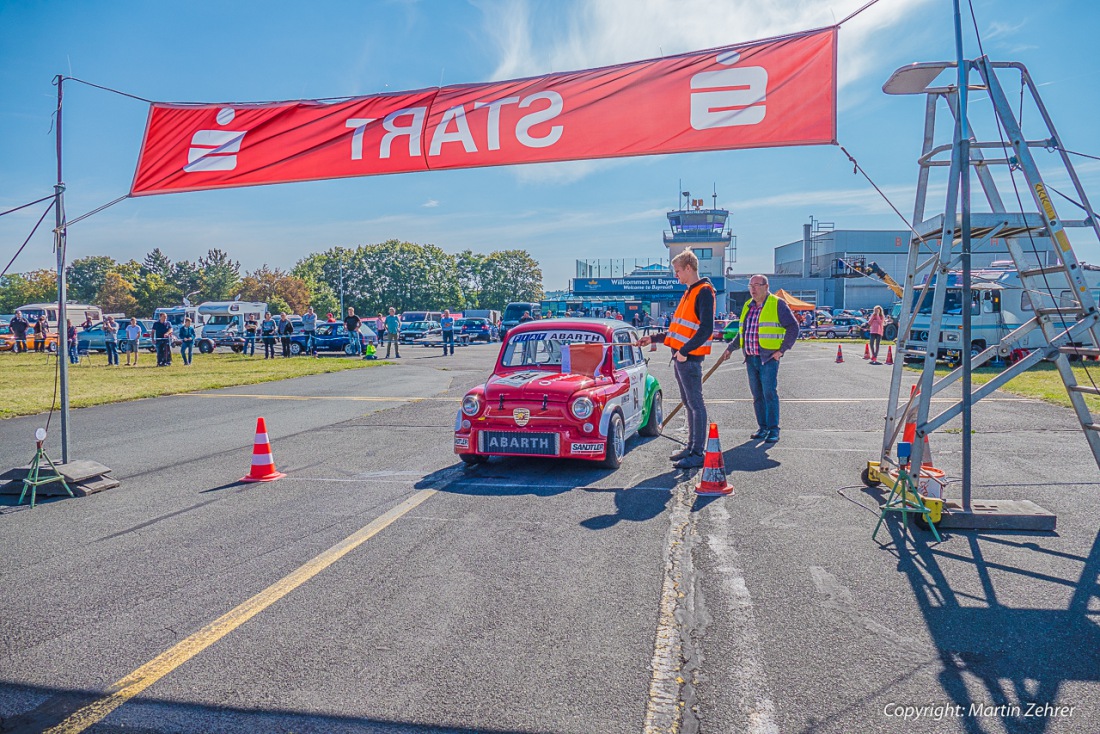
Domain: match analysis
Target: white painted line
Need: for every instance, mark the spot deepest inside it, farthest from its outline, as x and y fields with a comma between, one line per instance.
x=752, y=692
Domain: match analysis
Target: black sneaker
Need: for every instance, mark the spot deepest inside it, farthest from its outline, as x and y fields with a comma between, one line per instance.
x=679, y=454
x=760, y=433
x=691, y=461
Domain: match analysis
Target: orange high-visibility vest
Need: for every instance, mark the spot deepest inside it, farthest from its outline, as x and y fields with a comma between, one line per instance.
x=685, y=322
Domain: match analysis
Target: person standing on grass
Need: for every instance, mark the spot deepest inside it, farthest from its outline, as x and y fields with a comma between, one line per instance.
x=41, y=333
x=768, y=331
x=250, y=326
x=351, y=323
x=447, y=323
x=268, y=328
x=133, y=336
x=309, y=328
x=19, y=326
x=285, y=330
x=875, y=326
x=110, y=340
x=73, y=346
x=162, y=339
x=187, y=340
x=393, y=333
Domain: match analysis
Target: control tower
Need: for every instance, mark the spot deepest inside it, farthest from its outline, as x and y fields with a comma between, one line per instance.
x=703, y=231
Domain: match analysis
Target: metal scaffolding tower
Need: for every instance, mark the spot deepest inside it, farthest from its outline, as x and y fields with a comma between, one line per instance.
x=1068, y=324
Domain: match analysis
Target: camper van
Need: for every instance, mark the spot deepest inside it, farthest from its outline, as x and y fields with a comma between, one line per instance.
x=999, y=305
x=78, y=313
x=220, y=317
x=176, y=315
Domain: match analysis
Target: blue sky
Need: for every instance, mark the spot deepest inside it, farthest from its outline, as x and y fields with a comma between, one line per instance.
x=201, y=51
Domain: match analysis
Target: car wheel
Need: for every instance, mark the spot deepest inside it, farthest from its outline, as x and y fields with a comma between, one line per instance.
x=349, y=350
x=473, y=459
x=295, y=348
x=656, y=416
x=237, y=348
x=205, y=347
x=51, y=347
x=890, y=333
x=616, y=442
x=830, y=335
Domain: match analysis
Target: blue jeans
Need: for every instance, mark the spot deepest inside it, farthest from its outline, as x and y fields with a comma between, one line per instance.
x=353, y=340
x=311, y=342
x=763, y=382
x=689, y=376
x=112, y=352
x=186, y=350
x=448, y=338
x=74, y=353
x=249, y=343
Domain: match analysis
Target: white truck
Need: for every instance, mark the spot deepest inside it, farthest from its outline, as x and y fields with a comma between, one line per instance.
x=999, y=306
x=223, y=318
x=176, y=315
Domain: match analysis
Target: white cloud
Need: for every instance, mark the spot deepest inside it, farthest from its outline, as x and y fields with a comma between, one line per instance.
x=430, y=204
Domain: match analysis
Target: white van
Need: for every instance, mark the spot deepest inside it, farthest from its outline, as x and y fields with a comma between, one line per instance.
x=176, y=315
x=220, y=317
x=78, y=313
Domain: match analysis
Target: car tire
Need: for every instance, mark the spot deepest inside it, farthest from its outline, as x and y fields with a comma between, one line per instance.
x=830, y=335
x=473, y=459
x=616, y=442
x=295, y=349
x=656, y=416
x=51, y=348
x=205, y=347
x=237, y=348
x=349, y=350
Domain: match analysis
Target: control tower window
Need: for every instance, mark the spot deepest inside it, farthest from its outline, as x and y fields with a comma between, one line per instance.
x=703, y=253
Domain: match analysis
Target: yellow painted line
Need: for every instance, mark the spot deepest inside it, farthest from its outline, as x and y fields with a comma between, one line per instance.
x=367, y=398
x=160, y=666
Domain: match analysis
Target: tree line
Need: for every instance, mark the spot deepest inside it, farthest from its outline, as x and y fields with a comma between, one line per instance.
x=371, y=278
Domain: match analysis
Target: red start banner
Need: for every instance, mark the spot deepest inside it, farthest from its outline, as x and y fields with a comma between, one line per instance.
x=781, y=91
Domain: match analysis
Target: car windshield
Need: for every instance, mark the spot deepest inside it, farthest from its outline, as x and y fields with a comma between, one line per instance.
x=421, y=325
x=543, y=348
x=471, y=322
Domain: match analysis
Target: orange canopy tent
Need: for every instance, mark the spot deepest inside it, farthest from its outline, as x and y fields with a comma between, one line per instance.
x=796, y=304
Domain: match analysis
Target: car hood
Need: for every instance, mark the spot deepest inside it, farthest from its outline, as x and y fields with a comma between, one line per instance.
x=532, y=385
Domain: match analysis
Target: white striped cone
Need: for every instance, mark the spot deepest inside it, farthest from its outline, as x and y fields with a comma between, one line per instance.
x=263, y=463
x=713, y=478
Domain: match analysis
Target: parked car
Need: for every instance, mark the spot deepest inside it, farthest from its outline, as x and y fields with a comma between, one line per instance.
x=537, y=403
x=416, y=329
x=332, y=337
x=93, y=339
x=477, y=329
x=841, y=326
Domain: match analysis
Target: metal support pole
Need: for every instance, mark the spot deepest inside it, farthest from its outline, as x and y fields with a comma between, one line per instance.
x=963, y=152
x=62, y=317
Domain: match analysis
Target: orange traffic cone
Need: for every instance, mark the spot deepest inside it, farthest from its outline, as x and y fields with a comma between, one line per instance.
x=713, y=479
x=909, y=432
x=263, y=464
x=889, y=354
x=867, y=350
x=839, y=354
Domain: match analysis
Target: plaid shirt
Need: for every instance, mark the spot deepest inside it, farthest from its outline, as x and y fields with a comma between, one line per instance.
x=750, y=330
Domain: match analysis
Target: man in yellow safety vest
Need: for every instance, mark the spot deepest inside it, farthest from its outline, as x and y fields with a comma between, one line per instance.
x=768, y=331
x=689, y=334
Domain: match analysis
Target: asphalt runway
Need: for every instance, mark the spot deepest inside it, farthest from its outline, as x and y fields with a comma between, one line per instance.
x=383, y=587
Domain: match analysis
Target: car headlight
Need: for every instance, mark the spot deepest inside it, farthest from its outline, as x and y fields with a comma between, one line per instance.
x=582, y=408
x=471, y=405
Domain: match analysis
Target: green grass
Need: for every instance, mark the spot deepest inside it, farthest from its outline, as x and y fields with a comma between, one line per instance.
x=1041, y=382
x=27, y=380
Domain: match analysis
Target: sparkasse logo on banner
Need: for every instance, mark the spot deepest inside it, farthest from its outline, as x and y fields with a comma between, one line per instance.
x=776, y=92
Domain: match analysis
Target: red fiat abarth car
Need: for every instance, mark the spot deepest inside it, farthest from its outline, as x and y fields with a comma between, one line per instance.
x=570, y=388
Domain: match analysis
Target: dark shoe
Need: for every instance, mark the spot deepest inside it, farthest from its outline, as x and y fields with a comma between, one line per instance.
x=772, y=437
x=760, y=433
x=691, y=461
x=875, y=361
x=679, y=455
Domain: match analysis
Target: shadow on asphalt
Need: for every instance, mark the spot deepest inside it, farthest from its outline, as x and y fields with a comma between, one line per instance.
x=60, y=703
x=993, y=656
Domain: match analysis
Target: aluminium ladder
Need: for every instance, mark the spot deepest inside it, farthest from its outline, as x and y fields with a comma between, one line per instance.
x=1062, y=323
